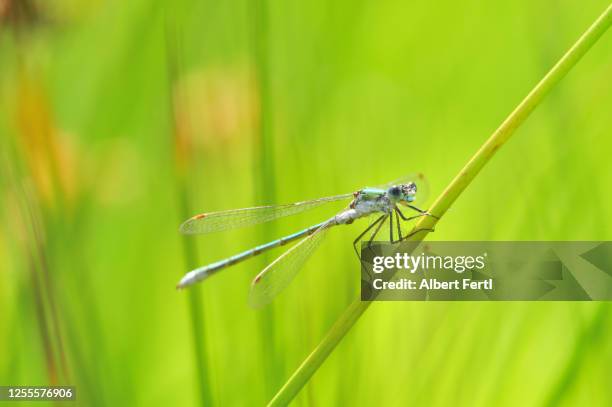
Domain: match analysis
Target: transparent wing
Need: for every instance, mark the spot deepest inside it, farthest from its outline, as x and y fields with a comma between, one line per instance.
x=237, y=218
x=278, y=274
x=420, y=181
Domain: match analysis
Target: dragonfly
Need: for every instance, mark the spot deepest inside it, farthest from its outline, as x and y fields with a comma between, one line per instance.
x=385, y=201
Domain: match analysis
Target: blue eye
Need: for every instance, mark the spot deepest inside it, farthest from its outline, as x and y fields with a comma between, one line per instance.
x=395, y=191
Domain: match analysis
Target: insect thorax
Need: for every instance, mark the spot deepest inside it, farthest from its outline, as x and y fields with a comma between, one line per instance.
x=368, y=200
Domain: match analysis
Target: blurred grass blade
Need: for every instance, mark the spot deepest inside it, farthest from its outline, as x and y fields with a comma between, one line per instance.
x=587, y=342
x=264, y=174
x=301, y=376
x=182, y=161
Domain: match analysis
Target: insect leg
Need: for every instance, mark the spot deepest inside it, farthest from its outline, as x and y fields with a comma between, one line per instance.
x=399, y=213
x=399, y=228
x=391, y=227
x=385, y=216
x=414, y=232
x=363, y=234
x=421, y=211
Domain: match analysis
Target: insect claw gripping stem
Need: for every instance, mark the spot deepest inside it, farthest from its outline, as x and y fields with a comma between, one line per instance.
x=427, y=213
x=423, y=212
x=414, y=232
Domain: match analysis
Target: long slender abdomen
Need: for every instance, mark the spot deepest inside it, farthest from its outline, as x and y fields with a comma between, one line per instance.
x=204, y=272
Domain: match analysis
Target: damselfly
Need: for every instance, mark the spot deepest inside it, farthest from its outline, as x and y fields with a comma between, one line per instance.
x=383, y=200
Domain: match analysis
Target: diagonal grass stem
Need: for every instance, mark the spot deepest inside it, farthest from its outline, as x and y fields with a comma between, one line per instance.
x=467, y=174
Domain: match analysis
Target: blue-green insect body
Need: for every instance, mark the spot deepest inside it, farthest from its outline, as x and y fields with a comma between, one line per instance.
x=278, y=274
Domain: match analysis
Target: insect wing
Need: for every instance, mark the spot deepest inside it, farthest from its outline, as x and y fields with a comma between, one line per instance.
x=278, y=274
x=237, y=218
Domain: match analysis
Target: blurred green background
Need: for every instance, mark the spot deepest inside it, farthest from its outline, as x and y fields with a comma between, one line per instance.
x=118, y=120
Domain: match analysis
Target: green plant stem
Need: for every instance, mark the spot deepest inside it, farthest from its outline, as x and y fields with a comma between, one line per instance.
x=508, y=127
